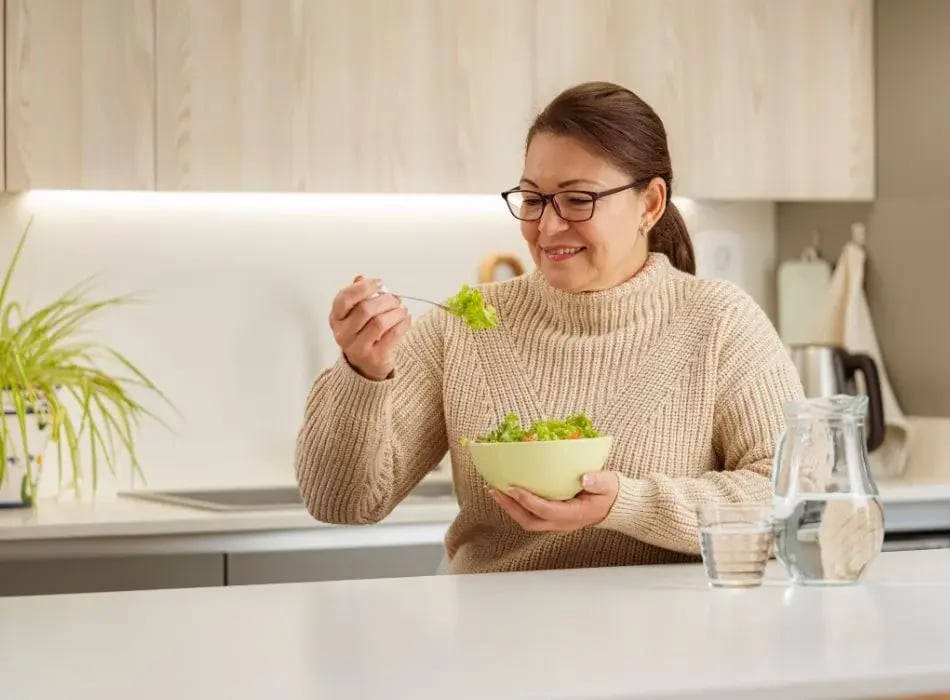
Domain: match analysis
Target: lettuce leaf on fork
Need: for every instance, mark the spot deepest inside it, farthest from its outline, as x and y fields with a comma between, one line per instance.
x=469, y=305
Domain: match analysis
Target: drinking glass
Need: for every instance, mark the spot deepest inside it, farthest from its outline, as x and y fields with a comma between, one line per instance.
x=735, y=541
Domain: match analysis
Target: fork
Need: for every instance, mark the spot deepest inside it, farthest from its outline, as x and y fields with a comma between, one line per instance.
x=424, y=301
x=406, y=296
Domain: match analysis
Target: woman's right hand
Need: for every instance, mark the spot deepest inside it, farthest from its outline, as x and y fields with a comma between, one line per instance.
x=367, y=325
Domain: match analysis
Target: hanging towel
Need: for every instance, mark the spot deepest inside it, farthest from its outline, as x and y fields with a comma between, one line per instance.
x=845, y=321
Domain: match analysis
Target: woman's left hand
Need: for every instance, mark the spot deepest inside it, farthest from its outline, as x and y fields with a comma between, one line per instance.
x=537, y=514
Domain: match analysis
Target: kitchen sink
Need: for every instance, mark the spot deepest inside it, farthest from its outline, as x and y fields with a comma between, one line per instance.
x=265, y=498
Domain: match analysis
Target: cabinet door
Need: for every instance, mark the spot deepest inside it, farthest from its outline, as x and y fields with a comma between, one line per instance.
x=361, y=96
x=761, y=99
x=117, y=573
x=79, y=94
x=333, y=564
x=233, y=103
x=783, y=106
x=489, y=101
x=421, y=95
x=288, y=95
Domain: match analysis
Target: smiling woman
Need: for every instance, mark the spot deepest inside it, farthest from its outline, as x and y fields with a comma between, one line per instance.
x=687, y=376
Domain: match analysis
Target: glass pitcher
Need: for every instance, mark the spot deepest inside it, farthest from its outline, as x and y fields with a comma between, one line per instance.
x=828, y=519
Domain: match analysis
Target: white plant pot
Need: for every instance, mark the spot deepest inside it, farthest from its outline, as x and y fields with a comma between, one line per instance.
x=14, y=491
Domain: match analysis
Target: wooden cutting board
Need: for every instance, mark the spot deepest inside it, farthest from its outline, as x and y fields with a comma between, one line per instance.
x=802, y=289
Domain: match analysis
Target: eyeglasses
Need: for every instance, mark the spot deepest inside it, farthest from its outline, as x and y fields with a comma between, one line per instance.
x=571, y=205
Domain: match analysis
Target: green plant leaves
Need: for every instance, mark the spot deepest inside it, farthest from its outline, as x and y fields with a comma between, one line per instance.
x=47, y=356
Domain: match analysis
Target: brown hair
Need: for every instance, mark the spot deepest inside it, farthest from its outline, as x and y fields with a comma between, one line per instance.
x=629, y=133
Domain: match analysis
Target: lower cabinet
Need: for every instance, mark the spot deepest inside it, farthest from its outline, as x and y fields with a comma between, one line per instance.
x=153, y=571
x=333, y=564
x=119, y=573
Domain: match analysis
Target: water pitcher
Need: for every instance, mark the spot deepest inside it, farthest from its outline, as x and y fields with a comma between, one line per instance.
x=827, y=517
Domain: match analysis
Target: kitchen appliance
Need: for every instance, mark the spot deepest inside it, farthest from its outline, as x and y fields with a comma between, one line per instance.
x=827, y=370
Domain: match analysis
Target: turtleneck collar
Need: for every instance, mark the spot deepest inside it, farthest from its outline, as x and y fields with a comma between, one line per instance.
x=604, y=310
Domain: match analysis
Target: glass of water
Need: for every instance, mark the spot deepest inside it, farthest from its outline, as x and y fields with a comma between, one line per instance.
x=735, y=540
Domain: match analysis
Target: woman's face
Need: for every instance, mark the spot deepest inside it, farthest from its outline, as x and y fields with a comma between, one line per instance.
x=605, y=250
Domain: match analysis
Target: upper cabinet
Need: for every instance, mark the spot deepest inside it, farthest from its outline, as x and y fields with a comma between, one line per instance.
x=232, y=85
x=80, y=97
x=762, y=99
x=361, y=96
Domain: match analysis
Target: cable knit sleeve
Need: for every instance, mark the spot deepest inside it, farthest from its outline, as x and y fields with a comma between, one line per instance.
x=364, y=444
x=755, y=379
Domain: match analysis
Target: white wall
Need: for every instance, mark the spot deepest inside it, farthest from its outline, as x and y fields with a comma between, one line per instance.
x=239, y=288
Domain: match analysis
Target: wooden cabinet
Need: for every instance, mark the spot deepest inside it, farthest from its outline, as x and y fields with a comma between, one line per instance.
x=80, y=98
x=232, y=81
x=761, y=99
x=362, y=96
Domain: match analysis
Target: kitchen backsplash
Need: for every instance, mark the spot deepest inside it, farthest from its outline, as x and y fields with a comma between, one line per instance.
x=238, y=287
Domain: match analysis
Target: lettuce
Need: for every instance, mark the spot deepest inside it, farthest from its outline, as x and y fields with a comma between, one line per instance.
x=571, y=428
x=470, y=306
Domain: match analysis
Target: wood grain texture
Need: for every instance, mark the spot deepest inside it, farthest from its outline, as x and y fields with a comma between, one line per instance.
x=762, y=99
x=79, y=94
x=495, y=94
x=362, y=96
x=385, y=120
x=232, y=86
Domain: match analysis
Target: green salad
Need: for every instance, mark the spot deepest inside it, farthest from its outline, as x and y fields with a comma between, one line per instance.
x=470, y=306
x=571, y=428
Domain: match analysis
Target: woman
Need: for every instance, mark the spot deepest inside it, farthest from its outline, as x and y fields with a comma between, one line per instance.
x=687, y=375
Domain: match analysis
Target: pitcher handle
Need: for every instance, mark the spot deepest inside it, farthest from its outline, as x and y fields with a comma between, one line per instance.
x=866, y=365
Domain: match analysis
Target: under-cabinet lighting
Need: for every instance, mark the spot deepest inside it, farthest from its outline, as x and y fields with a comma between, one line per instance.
x=281, y=202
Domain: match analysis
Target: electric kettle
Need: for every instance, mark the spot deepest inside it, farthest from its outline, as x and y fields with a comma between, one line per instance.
x=827, y=370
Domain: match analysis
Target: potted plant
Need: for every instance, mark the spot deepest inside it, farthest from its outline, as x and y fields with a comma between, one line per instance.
x=57, y=387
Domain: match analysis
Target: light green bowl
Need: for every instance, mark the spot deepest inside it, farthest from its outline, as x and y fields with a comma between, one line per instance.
x=551, y=469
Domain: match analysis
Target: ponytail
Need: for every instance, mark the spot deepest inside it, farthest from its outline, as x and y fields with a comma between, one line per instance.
x=670, y=237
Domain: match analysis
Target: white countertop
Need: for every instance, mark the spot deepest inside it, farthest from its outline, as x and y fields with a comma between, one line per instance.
x=129, y=517
x=914, y=490
x=634, y=632
x=125, y=526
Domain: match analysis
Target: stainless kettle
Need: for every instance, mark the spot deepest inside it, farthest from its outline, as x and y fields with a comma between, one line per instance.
x=826, y=370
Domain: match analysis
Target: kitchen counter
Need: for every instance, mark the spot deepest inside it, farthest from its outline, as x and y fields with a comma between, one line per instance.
x=624, y=632
x=916, y=505
x=909, y=506
x=125, y=516
x=132, y=526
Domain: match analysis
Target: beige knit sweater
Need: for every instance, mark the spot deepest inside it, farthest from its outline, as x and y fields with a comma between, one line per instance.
x=688, y=376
